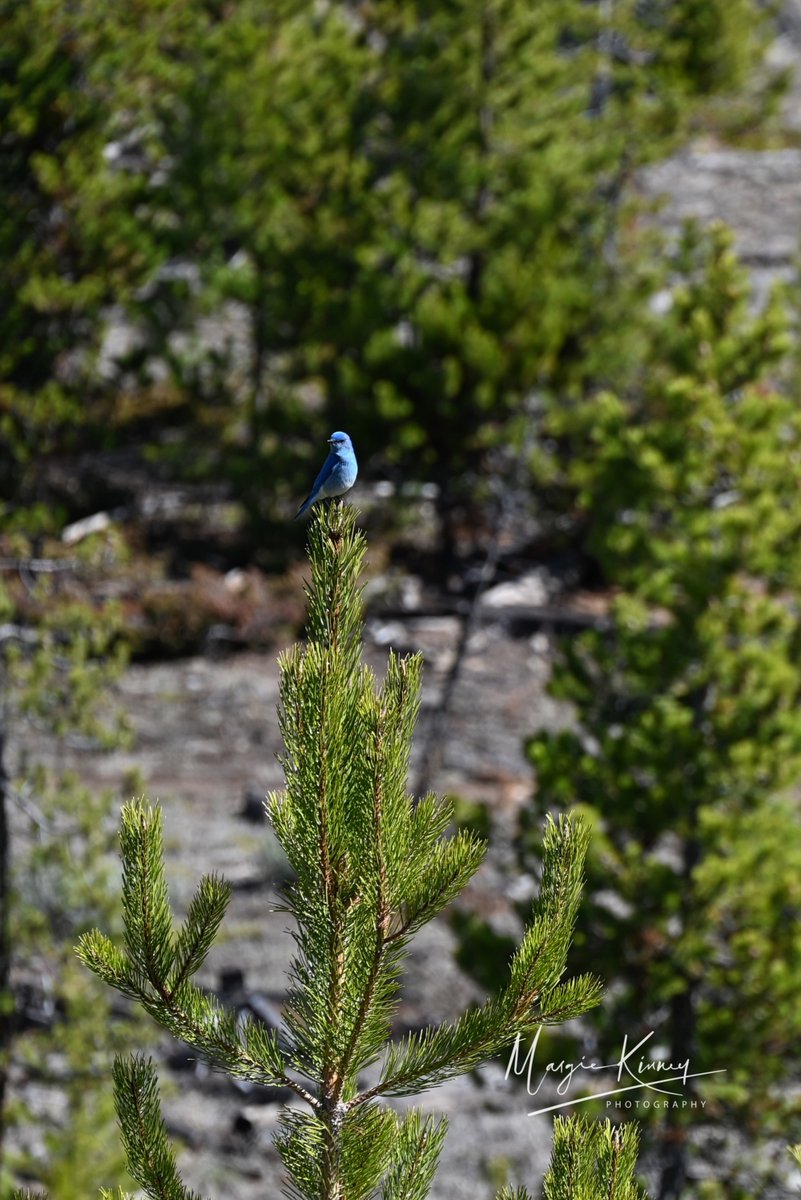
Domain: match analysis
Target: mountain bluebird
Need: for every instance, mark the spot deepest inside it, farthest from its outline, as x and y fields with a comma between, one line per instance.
x=338, y=473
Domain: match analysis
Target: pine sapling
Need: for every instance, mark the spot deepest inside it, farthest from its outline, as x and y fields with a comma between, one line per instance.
x=372, y=865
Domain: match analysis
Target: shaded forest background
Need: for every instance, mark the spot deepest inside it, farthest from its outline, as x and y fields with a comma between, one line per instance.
x=229, y=228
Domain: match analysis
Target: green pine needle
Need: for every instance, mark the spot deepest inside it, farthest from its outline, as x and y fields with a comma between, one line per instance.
x=418, y=1143
x=151, y=1160
x=592, y=1160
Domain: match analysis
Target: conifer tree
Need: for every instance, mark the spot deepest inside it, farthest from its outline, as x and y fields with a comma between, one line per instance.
x=372, y=866
x=70, y=248
x=683, y=486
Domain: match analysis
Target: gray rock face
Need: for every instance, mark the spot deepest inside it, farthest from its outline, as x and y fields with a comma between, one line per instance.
x=757, y=193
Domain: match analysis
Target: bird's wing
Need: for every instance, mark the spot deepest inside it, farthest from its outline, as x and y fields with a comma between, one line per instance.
x=325, y=471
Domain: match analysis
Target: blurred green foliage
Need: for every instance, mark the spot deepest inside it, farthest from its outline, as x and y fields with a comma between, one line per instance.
x=56, y=839
x=229, y=228
x=688, y=709
x=68, y=244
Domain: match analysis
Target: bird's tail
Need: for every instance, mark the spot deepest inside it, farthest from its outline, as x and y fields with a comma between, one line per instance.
x=303, y=507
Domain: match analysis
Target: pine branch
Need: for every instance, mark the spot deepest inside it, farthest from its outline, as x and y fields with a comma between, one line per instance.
x=433, y=1056
x=416, y=1155
x=148, y=921
x=151, y=1159
x=540, y=959
x=569, y=1000
x=533, y=996
x=571, y=1171
x=591, y=1160
x=199, y=930
x=156, y=968
x=435, y=875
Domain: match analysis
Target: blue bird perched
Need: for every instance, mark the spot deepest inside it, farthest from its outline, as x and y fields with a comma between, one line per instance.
x=338, y=473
